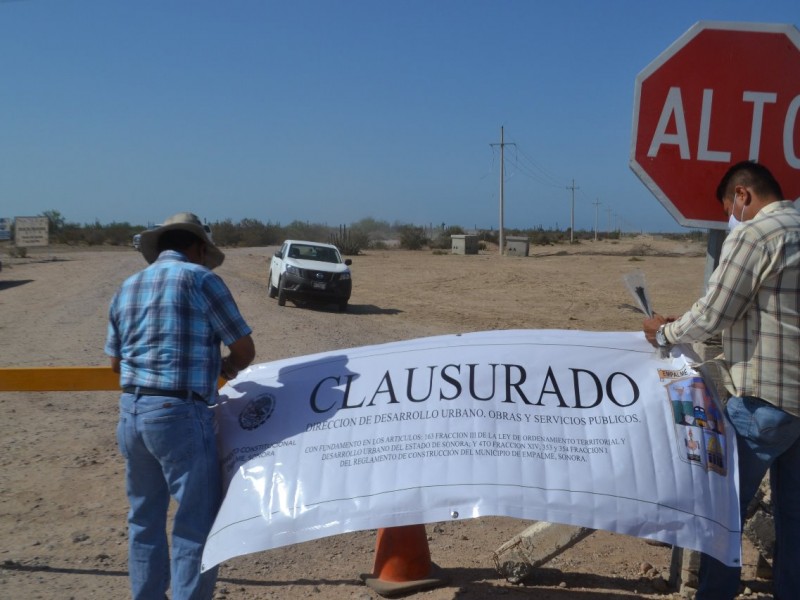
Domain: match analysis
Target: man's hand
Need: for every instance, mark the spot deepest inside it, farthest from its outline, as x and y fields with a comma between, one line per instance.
x=242, y=353
x=651, y=325
x=228, y=371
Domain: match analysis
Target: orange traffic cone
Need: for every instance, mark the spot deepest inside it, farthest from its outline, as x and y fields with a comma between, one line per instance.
x=403, y=562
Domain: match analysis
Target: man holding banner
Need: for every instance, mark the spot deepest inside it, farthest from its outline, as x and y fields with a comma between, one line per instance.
x=166, y=324
x=753, y=299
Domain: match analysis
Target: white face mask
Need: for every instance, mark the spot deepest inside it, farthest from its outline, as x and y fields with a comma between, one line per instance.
x=733, y=222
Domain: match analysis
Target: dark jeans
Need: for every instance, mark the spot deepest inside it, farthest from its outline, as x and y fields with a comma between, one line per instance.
x=767, y=439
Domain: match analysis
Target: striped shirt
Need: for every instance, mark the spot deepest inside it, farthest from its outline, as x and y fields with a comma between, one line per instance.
x=166, y=324
x=753, y=298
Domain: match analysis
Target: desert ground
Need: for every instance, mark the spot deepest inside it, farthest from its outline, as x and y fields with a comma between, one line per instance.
x=62, y=500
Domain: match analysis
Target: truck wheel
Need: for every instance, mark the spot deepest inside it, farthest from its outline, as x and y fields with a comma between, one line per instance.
x=281, y=293
x=272, y=291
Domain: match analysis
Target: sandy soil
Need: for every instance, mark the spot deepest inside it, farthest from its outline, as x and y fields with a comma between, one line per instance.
x=62, y=502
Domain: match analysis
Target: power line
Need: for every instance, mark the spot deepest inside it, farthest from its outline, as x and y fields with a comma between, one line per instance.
x=523, y=164
x=533, y=171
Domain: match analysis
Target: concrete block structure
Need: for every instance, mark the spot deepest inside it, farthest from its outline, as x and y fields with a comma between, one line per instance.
x=464, y=244
x=517, y=246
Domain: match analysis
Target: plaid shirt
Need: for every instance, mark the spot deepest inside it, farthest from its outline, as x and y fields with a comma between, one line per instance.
x=166, y=324
x=753, y=297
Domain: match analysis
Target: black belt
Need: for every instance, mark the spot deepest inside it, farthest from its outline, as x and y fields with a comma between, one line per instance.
x=146, y=391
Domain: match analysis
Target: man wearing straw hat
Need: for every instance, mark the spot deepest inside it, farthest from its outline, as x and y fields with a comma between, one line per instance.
x=166, y=325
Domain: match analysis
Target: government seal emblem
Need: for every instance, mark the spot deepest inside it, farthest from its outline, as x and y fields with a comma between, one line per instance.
x=257, y=411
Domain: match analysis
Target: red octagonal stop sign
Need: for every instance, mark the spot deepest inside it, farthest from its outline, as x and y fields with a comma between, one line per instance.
x=722, y=93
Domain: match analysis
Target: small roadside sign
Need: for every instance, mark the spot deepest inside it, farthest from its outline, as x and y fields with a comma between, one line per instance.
x=31, y=231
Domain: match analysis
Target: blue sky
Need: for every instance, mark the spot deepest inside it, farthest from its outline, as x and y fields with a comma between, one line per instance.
x=330, y=112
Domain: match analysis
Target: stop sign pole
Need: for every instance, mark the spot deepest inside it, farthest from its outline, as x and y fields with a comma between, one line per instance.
x=721, y=93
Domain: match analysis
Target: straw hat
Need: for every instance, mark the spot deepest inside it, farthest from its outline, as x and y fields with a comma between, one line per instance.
x=188, y=222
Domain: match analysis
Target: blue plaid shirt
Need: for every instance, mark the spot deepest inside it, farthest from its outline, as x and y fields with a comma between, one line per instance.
x=166, y=324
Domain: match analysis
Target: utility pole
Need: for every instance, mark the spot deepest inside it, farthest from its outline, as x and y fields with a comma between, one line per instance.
x=572, y=212
x=502, y=144
x=609, y=219
x=596, y=208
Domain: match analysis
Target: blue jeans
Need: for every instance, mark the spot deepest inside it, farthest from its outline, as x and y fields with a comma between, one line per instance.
x=170, y=449
x=767, y=439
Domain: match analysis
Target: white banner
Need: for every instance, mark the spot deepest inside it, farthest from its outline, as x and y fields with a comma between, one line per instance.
x=587, y=429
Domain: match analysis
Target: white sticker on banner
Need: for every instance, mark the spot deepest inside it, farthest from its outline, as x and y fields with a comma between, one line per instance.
x=581, y=428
